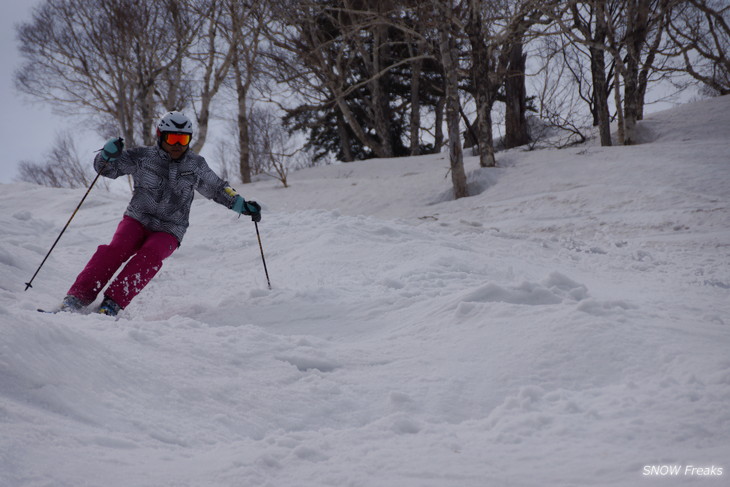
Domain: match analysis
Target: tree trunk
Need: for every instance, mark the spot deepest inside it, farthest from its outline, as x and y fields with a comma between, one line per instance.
x=516, y=131
x=375, y=145
x=449, y=59
x=637, y=15
x=648, y=63
x=600, y=95
x=631, y=105
x=621, y=134
x=379, y=91
x=483, y=89
x=438, y=138
x=345, y=142
x=244, y=140
x=598, y=74
x=415, y=121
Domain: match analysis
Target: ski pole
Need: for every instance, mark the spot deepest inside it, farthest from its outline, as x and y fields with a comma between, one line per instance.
x=258, y=235
x=28, y=284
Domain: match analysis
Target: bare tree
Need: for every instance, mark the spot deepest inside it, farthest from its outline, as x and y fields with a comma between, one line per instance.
x=346, y=57
x=563, y=93
x=485, y=85
x=225, y=154
x=273, y=152
x=125, y=61
x=630, y=31
x=61, y=167
x=418, y=45
x=512, y=65
x=637, y=28
x=314, y=63
x=589, y=21
x=444, y=13
x=700, y=34
x=415, y=118
x=120, y=58
x=497, y=31
x=210, y=58
x=245, y=24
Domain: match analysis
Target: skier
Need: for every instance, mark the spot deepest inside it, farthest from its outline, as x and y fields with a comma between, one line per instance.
x=157, y=217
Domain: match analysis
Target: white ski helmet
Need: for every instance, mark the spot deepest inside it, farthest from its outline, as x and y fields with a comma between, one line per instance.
x=175, y=122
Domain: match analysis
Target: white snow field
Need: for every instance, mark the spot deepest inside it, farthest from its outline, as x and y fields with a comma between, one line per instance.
x=568, y=325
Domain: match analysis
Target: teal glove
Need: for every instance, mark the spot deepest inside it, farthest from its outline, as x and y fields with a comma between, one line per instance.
x=250, y=208
x=112, y=149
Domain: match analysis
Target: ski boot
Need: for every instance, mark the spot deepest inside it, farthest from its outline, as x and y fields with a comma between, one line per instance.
x=71, y=304
x=109, y=307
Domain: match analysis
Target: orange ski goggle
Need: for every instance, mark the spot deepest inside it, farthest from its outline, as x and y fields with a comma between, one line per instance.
x=172, y=139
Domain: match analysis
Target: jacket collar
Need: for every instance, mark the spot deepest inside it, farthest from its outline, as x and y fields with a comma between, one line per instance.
x=165, y=156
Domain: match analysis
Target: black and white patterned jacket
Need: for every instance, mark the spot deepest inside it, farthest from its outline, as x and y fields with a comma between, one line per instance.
x=164, y=188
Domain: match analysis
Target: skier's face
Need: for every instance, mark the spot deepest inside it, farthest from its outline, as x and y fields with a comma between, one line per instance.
x=173, y=145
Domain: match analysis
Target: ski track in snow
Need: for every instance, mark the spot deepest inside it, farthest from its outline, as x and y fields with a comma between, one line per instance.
x=566, y=326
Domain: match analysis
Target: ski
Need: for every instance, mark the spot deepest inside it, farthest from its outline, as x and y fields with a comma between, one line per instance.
x=51, y=312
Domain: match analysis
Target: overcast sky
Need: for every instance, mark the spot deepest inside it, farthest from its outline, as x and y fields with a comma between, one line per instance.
x=27, y=130
x=24, y=128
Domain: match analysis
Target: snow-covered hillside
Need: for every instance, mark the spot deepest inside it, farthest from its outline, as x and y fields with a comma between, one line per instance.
x=566, y=326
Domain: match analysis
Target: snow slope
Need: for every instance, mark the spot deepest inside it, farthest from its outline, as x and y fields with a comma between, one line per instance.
x=566, y=326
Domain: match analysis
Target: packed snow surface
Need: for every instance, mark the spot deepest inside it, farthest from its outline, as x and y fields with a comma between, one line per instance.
x=567, y=325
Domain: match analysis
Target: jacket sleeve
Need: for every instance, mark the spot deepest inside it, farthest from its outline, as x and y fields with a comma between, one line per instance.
x=213, y=187
x=125, y=164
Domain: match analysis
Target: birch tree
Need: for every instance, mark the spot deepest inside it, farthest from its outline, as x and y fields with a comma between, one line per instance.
x=245, y=25
x=699, y=31
x=484, y=82
x=124, y=62
x=115, y=58
x=630, y=31
x=637, y=28
x=445, y=22
x=210, y=57
x=589, y=21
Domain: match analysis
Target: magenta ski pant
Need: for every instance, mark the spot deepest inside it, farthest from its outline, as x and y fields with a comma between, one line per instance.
x=147, y=250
